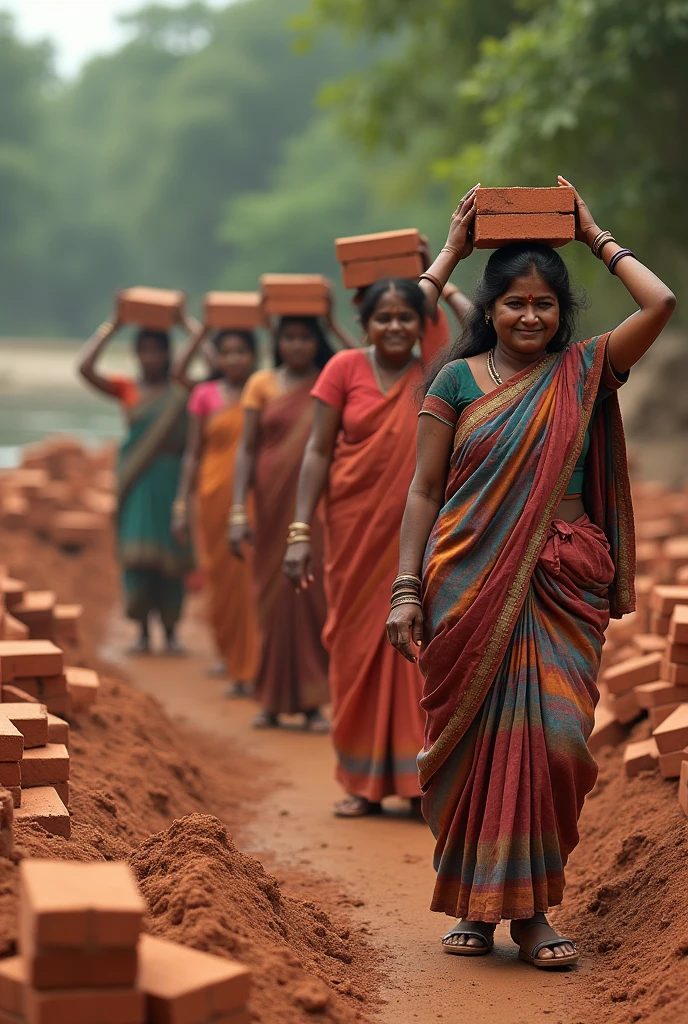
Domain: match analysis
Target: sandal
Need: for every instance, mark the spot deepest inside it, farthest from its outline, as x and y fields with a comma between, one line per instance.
x=265, y=720
x=356, y=807
x=468, y=929
x=233, y=690
x=316, y=722
x=530, y=955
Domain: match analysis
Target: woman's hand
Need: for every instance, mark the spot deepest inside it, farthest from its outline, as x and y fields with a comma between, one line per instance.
x=180, y=528
x=586, y=228
x=298, y=565
x=238, y=535
x=460, y=237
x=405, y=629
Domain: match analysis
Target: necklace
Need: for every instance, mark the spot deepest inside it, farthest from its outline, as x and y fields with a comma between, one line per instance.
x=376, y=369
x=492, y=368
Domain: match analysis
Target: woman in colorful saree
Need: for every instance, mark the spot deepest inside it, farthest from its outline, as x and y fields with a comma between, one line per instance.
x=292, y=674
x=216, y=421
x=519, y=520
x=361, y=454
x=150, y=458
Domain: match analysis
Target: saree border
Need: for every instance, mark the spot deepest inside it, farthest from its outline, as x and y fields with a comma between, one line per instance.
x=431, y=760
x=624, y=583
x=135, y=462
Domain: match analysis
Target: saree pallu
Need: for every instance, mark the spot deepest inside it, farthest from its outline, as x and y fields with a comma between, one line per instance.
x=229, y=581
x=378, y=722
x=292, y=676
x=515, y=608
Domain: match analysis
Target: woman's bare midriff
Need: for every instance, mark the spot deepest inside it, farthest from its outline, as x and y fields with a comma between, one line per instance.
x=569, y=510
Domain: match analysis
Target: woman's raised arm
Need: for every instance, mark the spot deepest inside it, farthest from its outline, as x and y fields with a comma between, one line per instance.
x=91, y=353
x=198, y=335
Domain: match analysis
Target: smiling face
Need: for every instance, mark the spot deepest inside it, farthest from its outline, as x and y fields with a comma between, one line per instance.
x=394, y=327
x=526, y=316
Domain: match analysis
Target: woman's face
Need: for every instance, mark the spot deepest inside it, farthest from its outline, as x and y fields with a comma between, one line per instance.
x=526, y=316
x=235, y=359
x=153, y=358
x=394, y=327
x=298, y=346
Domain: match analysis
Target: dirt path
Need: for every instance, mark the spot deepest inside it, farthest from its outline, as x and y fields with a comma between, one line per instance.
x=384, y=866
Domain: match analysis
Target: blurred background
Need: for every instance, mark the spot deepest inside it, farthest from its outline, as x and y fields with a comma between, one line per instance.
x=197, y=145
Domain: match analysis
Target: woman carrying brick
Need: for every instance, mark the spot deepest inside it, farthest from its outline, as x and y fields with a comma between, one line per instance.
x=361, y=455
x=520, y=525
x=153, y=563
x=216, y=422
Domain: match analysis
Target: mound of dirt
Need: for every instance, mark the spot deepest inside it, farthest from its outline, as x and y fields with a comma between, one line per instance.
x=626, y=900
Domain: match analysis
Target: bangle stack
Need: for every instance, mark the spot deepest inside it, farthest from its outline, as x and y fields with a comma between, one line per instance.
x=406, y=589
x=237, y=516
x=299, y=533
x=454, y=252
x=617, y=257
x=433, y=280
x=600, y=241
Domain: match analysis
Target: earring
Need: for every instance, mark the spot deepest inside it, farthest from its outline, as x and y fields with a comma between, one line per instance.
x=487, y=318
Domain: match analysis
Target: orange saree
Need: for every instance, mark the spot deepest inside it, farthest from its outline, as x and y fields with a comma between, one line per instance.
x=230, y=593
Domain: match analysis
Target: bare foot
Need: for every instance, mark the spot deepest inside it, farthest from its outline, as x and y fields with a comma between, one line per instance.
x=356, y=807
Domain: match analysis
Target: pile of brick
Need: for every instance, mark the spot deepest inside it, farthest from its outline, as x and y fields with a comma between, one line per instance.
x=83, y=960
x=62, y=491
x=645, y=662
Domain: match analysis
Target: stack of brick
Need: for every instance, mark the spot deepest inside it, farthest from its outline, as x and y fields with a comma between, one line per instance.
x=295, y=294
x=82, y=959
x=44, y=767
x=6, y=823
x=34, y=669
x=366, y=259
x=11, y=754
x=627, y=683
x=506, y=215
x=671, y=737
x=237, y=311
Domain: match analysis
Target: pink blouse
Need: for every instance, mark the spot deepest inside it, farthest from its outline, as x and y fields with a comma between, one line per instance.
x=206, y=398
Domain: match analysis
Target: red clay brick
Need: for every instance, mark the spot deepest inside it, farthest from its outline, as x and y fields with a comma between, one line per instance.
x=29, y=659
x=84, y=1006
x=13, y=629
x=378, y=246
x=676, y=552
x=653, y=695
x=295, y=294
x=12, y=983
x=659, y=714
x=35, y=607
x=31, y=720
x=607, y=731
x=495, y=230
x=647, y=554
x=44, y=766
x=44, y=806
x=677, y=654
x=185, y=986
x=70, y=904
x=240, y=311
x=683, y=787
x=13, y=591
x=83, y=685
x=649, y=643
x=660, y=624
x=559, y=199
x=665, y=597
x=632, y=672
x=150, y=307
x=63, y=791
x=76, y=530
x=655, y=529
x=29, y=687
x=678, y=629
x=58, y=730
x=640, y=757
x=12, y=694
x=367, y=272
x=624, y=706
x=11, y=740
x=672, y=734
x=670, y=764
x=52, y=686
x=10, y=773
x=53, y=968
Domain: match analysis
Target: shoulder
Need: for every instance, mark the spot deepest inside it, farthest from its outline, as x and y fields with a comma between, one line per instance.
x=451, y=375
x=338, y=376
x=258, y=389
x=124, y=389
x=201, y=396
x=347, y=361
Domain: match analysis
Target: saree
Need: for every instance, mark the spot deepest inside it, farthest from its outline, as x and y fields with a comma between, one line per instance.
x=148, y=470
x=515, y=607
x=229, y=581
x=292, y=676
x=378, y=722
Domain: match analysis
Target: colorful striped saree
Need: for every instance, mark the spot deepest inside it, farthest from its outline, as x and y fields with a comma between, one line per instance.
x=515, y=606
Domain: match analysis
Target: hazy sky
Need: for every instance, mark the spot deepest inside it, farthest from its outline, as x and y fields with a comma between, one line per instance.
x=78, y=28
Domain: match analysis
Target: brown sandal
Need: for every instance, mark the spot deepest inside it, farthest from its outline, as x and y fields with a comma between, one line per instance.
x=530, y=955
x=356, y=807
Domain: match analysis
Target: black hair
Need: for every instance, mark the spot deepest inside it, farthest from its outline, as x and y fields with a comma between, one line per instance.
x=248, y=338
x=506, y=263
x=162, y=340
x=409, y=291
x=323, y=353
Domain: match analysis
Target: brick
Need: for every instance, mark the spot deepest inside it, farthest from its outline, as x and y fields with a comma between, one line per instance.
x=659, y=714
x=63, y=791
x=12, y=984
x=606, y=732
x=624, y=707
x=14, y=511
x=12, y=694
x=367, y=272
x=29, y=658
x=672, y=734
x=670, y=764
x=649, y=643
x=60, y=705
x=185, y=986
x=150, y=307
x=44, y=806
x=660, y=624
x=31, y=720
x=76, y=529
x=380, y=245
x=655, y=529
x=44, y=766
x=10, y=773
x=640, y=757
x=683, y=787
x=85, y=1006
x=66, y=618
x=13, y=629
x=676, y=552
x=70, y=904
x=653, y=695
x=54, y=968
x=83, y=685
x=632, y=672
x=678, y=628
x=35, y=607
x=11, y=740
x=494, y=230
x=558, y=199
x=677, y=654
x=682, y=575
x=665, y=597
x=238, y=1017
x=647, y=554
x=13, y=591
x=239, y=311
x=29, y=687
x=58, y=730
x=51, y=686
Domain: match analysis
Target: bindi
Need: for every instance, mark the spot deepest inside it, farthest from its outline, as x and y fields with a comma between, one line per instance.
x=530, y=299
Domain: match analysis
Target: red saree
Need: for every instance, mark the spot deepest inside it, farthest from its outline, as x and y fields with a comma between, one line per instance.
x=515, y=609
x=292, y=676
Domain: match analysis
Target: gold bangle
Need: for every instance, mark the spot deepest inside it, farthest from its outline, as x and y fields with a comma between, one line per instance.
x=406, y=600
x=238, y=519
x=300, y=526
x=296, y=539
x=237, y=508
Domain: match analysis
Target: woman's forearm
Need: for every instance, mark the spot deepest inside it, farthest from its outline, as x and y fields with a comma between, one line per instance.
x=420, y=516
x=244, y=467
x=315, y=470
